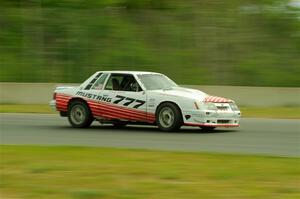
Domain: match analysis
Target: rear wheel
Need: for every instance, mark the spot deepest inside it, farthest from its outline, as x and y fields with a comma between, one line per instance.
x=168, y=117
x=79, y=115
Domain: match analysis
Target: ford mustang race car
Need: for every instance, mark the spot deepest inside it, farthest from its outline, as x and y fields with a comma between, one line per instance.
x=123, y=97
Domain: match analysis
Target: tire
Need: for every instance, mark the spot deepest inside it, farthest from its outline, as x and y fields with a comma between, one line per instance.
x=168, y=117
x=79, y=115
x=207, y=128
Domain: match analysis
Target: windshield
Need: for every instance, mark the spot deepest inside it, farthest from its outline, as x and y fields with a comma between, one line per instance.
x=156, y=81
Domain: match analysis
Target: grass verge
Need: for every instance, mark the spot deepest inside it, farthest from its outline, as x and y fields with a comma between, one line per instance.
x=271, y=112
x=25, y=108
x=79, y=172
x=259, y=112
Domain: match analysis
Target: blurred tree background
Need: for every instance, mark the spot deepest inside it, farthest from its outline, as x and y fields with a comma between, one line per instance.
x=215, y=42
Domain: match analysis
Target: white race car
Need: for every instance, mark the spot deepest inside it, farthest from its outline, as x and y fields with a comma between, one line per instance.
x=123, y=97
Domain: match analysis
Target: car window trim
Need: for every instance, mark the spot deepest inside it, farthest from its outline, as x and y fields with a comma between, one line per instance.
x=98, y=79
x=139, y=82
x=136, y=79
x=106, y=82
x=92, y=82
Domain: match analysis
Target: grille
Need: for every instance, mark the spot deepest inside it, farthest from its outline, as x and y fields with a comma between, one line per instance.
x=222, y=108
x=223, y=121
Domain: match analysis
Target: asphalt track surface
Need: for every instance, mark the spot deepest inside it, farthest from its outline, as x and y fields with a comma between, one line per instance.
x=275, y=137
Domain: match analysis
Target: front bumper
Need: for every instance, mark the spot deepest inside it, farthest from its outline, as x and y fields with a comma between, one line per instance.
x=213, y=118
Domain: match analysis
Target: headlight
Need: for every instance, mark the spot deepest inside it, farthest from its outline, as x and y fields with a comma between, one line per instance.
x=234, y=107
x=210, y=106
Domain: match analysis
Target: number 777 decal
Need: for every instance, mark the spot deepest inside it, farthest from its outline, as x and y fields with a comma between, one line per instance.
x=129, y=101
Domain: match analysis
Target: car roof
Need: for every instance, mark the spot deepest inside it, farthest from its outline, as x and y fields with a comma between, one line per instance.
x=128, y=72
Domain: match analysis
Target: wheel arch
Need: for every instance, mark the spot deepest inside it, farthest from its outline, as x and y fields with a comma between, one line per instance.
x=88, y=117
x=78, y=99
x=172, y=102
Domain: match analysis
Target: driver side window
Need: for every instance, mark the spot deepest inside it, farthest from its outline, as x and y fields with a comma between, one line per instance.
x=122, y=82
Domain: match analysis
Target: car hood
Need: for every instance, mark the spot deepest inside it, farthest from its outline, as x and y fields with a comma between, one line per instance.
x=183, y=92
x=193, y=94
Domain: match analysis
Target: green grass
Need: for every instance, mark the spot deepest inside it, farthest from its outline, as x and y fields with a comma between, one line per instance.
x=260, y=112
x=25, y=108
x=84, y=173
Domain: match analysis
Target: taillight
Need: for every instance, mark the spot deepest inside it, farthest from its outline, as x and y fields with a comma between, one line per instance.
x=54, y=96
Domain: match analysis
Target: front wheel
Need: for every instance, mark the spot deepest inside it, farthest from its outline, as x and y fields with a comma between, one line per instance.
x=168, y=117
x=79, y=115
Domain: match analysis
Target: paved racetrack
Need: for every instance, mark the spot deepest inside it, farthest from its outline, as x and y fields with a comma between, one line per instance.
x=278, y=137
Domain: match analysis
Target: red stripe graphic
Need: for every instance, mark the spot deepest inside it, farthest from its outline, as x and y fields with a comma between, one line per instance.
x=104, y=110
x=96, y=111
x=120, y=109
x=112, y=115
x=217, y=99
x=107, y=110
x=114, y=112
x=62, y=102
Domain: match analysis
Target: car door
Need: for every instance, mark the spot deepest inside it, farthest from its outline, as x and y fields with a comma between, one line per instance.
x=128, y=100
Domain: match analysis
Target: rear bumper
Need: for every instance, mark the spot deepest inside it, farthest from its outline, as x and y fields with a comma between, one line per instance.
x=52, y=104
